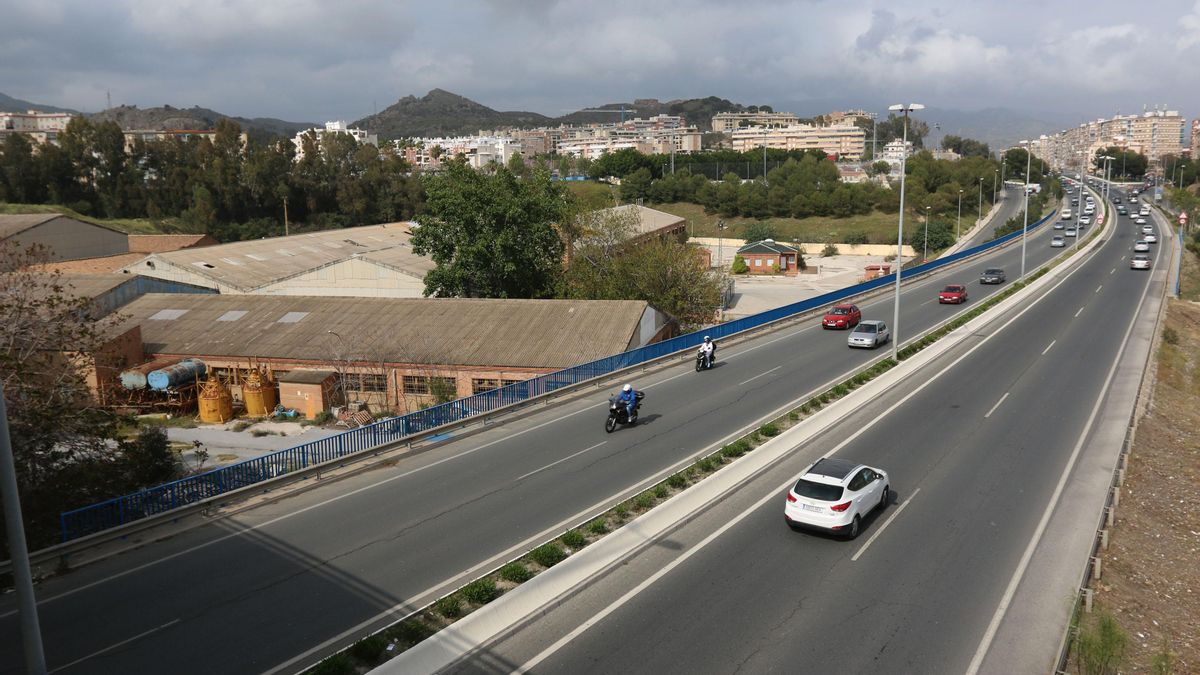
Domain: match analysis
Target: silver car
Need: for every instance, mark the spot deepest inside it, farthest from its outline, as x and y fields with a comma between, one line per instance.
x=1139, y=261
x=1141, y=246
x=1058, y=241
x=869, y=334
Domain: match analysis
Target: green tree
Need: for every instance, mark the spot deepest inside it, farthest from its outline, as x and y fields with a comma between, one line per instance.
x=758, y=231
x=636, y=185
x=492, y=236
x=966, y=147
x=19, y=176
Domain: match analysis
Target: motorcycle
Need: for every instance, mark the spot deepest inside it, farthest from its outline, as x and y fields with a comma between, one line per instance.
x=700, y=364
x=619, y=414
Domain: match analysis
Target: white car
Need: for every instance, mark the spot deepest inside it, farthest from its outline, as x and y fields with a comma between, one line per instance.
x=1141, y=246
x=1149, y=238
x=1139, y=261
x=869, y=334
x=1084, y=220
x=1070, y=232
x=835, y=495
x=1139, y=220
x=1148, y=229
x=1058, y=241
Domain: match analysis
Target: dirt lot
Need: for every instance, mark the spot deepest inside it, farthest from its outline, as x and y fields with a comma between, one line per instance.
x=1151, y=571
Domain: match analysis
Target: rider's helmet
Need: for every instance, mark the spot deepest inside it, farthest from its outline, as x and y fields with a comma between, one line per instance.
x=707, y=339
x=628, y=387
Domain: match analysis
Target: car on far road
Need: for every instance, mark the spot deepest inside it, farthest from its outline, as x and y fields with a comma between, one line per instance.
x=955, y=293
x=1139, y=261
x=1141, y=246
x=1139, y=220
x=1058, y=225
x=1116, y=200
x=1133, y=199
x=869, y=334
x=842, y=316
x=1058, y=241
x=993, y=275
x=835, y=495
x=1121, y=210
x=1074, y=201
x=1084, y=220
x=1147, y=229
x=1149, y=238
x=1070, y=232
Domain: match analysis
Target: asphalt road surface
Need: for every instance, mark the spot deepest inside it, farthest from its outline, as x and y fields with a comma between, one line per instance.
x=273, y=589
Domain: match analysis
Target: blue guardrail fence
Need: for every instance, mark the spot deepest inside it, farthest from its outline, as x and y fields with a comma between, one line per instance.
x=192, y=489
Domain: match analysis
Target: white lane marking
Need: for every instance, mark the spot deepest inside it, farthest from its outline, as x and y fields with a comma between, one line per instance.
x=1048, y=347
x=989, y=413
x=1100, y=286
x=774, y=494
x=1114, y=270
x=521, y=478
x=925, y=303
x=1079, y=312
x=883, y=527
x=1019, y=573
x=117, y=645
x=760, y=375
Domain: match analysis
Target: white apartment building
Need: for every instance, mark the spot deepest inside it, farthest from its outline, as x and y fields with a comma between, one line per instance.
x=338, y=127
x=479, y=151
x=846, y=141
x=729, y=121
x=42, y=127
x=1154, y=133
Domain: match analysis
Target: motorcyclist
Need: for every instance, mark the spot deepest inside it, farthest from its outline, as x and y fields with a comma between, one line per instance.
x=628, y=396
x=709, y=349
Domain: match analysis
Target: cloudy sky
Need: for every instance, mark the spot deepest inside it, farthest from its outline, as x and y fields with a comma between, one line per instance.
x=304, y=60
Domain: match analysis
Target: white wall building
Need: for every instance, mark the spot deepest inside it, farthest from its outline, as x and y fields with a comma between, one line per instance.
x=338, y=127
x=846, y=141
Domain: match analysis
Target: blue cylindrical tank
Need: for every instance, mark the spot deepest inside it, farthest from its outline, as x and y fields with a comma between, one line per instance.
x=178, y=375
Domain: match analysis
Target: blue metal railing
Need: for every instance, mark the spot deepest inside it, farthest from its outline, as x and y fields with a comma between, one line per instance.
x=192, y=489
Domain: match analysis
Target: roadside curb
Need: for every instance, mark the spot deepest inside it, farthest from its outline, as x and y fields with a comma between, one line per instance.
x=552, y=586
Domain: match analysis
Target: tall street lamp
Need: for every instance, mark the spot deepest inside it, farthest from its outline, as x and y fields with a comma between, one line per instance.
x=958, y=226
x=925, y=256
x=980, y=221
x=995, y=175
x=906, y=109
x=1025, y=228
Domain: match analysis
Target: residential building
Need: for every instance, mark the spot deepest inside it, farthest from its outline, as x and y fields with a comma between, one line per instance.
x=151, y=135
x=848, y=116
x=368, y=261
x=1195, y=139
x=729, y=121
x=394, y=353
x=844, y=141
x=896, y=151
x=770, y=257
x=338, y=127
x=64, y=237
x=1154, y=133
x=42, y=127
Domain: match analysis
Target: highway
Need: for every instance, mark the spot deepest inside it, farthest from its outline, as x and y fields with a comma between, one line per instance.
x=975, y=453
x=1011, y=203
x=274, y=588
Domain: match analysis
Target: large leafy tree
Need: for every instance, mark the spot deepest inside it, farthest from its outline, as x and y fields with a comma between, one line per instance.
x=492, y=236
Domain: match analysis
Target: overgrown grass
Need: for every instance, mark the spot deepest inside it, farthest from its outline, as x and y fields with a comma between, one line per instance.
x=879, y=228
x=130, y=225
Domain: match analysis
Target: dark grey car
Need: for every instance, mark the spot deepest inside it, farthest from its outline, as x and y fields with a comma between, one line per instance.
x=993, y=275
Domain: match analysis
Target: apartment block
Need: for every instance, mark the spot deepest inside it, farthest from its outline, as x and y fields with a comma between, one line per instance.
x=1155, y=133
x=338, y=127
x=727, y=121
x=41, y=127
x=845, y=141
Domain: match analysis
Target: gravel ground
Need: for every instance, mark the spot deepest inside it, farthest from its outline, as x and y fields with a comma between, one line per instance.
x=226, y=446
x=1151, y=571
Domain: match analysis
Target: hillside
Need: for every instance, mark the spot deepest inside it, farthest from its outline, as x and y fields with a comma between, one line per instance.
x=442, y=113
x=10, y=104
x=169, y=117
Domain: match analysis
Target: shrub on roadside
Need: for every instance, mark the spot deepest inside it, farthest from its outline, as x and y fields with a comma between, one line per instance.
x=574, y=539
x=644, y=501
x=548, y=555
x=449, y=607
x=481, y=591
x=410, y=631
x=369, y=650
x=338, y=664
x=769, y=429
x=661, y=491
x=677, y=481
x=598, y=526
x=516, y=572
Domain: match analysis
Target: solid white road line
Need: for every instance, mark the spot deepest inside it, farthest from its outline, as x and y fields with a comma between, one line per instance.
x=1079, y=312
x=1100, y=286
x=117, y=645
x=1114, y=270
x=559, y=461
x=989, y=413
x=883, y=527
x=1048, y=347
x=1019, y=572
x=760, y=375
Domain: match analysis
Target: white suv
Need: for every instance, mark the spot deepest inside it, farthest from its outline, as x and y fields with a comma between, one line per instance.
x=835, y=495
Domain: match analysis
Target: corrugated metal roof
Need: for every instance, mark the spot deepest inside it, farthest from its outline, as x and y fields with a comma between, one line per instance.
x=453, y=331
x=161, y=243
x=109, y=264
x=649, y=220
x=11, y=224
x=247, y=265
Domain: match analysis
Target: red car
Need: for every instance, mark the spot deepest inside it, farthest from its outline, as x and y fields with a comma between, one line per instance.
x=956, y=293
x=842, y=316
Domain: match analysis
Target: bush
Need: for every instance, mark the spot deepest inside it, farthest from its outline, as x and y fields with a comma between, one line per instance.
x=574, y=539
x=481, y=591
x=621, y=510
x=338, y=664
x=677, y=481
x=840, y=390
x=661, y=491
x=259, y=433
x=449, y=607
x=758, y=232
x=241, y=426
x=548, y=555
x=369, y=650
x=769, y=429
x=598, y=526
x=1170, y=336
x=830, y=249
x=854, y=238
x=644, y=501
x=516, y=572
x=322, y=417
x=705, y=465
x=739, y=265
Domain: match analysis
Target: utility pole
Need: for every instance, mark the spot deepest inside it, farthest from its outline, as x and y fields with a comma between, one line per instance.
x=285, y=217
x=31, y=633
x=958, y=226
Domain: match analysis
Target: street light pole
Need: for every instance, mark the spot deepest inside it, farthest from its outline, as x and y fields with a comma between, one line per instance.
x=980, y=221
x=906, y=109
x=995, y=175
x=958, y=226
x=925, y=256
x=1025, y=228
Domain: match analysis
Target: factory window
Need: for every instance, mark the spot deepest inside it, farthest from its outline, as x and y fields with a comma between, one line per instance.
x=416, y=384
x=478, y=386
x=366, y=383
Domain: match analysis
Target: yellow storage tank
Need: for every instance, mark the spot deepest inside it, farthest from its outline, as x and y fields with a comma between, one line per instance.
x=216, y=403
x=258, y=392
